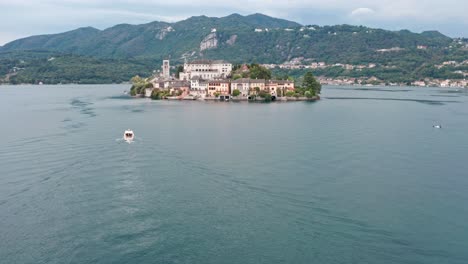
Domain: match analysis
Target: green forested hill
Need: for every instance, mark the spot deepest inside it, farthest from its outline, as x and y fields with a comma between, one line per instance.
x=234, y=38
x=52, y=68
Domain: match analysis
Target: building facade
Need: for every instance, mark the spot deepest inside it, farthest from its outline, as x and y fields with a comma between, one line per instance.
x=279, y=87
x=257, y=83
x=206, y=69
x=198, y=87
x=222, y=87
x=243, y=85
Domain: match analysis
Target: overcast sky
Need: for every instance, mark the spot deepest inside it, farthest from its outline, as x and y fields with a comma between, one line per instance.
x=21, y=18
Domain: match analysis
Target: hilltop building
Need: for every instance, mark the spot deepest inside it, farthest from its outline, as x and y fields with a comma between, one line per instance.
x=206, y=69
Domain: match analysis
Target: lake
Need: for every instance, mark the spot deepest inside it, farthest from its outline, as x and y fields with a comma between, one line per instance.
x=358, y=177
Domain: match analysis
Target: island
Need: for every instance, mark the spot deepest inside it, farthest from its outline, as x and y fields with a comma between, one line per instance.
x=221, y=80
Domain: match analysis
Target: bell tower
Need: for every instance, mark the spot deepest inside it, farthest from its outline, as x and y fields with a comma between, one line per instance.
x=166, y=72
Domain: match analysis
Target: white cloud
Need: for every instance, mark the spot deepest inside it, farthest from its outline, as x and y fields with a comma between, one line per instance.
x=362, y=11
x=29, y=17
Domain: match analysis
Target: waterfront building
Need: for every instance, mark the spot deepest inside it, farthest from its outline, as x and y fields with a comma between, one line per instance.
x=271, y=86
x=254, y=83
x=279, y=87
x=243, y=85
x=148, y=92
x=181, y=87
x=218, y=86
x=198, y=86
x=158, y=84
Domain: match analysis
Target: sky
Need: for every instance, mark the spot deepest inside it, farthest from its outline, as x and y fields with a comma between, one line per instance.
x=22, y=18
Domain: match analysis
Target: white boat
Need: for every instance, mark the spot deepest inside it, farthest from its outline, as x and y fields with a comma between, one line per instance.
x=128, y=135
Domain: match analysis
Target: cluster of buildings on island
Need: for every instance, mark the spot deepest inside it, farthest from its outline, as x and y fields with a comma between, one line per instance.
x=211, y=79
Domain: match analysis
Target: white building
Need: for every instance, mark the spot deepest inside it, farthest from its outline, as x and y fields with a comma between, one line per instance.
x=198, y=86
x=206, y=69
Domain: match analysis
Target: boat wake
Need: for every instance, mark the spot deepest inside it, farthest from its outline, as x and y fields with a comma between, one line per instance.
x=122, y=140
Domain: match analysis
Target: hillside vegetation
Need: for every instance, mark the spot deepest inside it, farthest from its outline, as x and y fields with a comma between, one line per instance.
x=88, y=54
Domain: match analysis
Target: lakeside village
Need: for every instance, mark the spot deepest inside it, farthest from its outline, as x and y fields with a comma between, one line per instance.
x=302, y=63
x=219, y=80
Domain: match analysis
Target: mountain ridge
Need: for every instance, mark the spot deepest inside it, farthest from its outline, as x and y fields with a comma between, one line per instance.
x=127, y=40
x=397, y=55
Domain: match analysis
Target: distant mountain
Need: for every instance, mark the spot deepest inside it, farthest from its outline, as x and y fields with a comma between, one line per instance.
x=244, y=39
x=254, y=37
x=154, y=39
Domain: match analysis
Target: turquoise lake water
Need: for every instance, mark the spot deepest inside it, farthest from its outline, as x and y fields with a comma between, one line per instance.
x=358, y=177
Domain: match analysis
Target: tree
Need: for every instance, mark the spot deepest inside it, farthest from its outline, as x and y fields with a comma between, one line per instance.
x=156, y=94
x=308, y=94
x=235, y=67
x=236, y=76
x=265, y=95
x=179, y=69
x=217, y=94
x=290, y=93
x=311, y=84
x=133, y=91
x=259, y=72
x=236, y=92
x=136, y=79
x=262, y=93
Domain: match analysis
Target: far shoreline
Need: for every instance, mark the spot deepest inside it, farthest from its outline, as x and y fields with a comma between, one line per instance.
x=325, y=85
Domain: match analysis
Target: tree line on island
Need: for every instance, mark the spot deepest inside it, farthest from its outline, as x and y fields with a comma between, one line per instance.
x=305, y=86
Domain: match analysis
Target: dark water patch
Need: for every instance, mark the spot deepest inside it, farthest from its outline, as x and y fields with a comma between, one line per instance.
x=46, y=179
x=67, y=120
x=450, y=96
x=20, y=143
x=89, y=112
x=429, y=102
x=79, y=103
x=132, y=108
x=380, y=90
x=374, y=89
x=73, y=126
x=432, y=253
x=401, y=242
x=119, y=97
x=84, y=107
x=20, y=192
x=461, y=91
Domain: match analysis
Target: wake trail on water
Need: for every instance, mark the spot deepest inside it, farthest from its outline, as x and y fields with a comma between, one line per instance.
x=121, y=140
